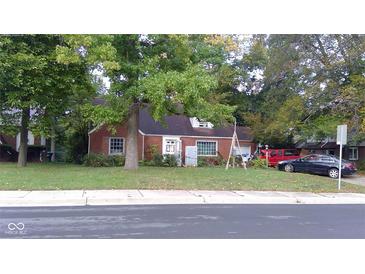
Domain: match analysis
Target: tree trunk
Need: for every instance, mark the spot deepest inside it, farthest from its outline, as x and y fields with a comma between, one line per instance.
x=23, y=148
x=131, y=160
x=53, y=141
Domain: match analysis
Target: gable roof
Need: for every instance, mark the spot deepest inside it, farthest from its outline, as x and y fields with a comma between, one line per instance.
x=180, y=125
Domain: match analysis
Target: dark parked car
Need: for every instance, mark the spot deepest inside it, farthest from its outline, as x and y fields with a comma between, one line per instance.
x=318, y=164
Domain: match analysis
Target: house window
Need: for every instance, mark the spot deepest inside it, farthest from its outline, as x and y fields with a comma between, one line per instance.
x=203, y=124
x=353, y=153
x=207, y=148
x=116, y=145
x=170, y=147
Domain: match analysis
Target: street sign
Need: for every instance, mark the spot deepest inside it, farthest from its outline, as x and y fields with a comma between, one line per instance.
x=341, y=140
x=342, y=134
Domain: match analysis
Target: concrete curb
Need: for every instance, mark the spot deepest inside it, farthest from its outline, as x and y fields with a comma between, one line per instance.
x=148, y=197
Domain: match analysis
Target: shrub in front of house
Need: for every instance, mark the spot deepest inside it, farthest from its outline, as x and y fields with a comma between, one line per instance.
x=257, y=163
x=101, y=160
x=94, y=160
x=116, y=160
x=157, y=160
x=161, y=161
x=145, y=163
x=169, y=160
x=210, y=161
x=202, y=162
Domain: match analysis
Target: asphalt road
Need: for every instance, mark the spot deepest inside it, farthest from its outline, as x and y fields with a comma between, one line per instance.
x=185, y=221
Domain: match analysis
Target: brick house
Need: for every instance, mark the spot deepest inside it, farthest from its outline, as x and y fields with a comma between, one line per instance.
x=173, y=137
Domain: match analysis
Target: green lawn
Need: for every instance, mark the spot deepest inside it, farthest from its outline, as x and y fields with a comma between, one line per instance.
x=61, y=176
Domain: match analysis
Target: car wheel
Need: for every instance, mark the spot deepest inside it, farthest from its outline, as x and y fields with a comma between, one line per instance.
x=289, y=168
x=333, y=173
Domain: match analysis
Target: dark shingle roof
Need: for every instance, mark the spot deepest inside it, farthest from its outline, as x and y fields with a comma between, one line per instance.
x=180, y=125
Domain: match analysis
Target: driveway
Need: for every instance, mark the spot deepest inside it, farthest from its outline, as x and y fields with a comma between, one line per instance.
x=355, y=179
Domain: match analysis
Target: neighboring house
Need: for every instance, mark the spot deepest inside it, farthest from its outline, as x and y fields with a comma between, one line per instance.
x=354, y=153
x=9, y=147
x=172, y=138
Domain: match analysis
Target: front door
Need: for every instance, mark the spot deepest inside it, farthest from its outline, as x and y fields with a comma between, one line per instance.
x=172, y=146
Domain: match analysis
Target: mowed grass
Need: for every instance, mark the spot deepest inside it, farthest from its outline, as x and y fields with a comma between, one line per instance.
x=67, y=176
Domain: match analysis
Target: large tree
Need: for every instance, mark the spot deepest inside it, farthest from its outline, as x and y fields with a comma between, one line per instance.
x=23, y=60
x=168, y=74
x=35, y=88
x=318, y=76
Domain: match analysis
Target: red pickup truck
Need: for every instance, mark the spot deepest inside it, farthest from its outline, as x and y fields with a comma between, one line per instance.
x=276, y=155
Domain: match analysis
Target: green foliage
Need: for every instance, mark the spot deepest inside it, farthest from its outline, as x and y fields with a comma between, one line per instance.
x=157, y=160
x=117, y=160
x=153, y=149
x=169, y=73
x=169, y=160
x=204, y=161
x=96, y=50
x=322, y=126
x=258, y=163
x=101, y=160
x=281, y=125
x=76, y=144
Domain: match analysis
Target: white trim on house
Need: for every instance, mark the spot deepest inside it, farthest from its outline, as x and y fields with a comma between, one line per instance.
x=95, y=128
x=211, y=141
x=197, y=123
x=165, y=138
x=116, y=137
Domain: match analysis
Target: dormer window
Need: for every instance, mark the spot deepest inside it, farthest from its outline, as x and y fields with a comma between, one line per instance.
x=196, y=123
x=204, y=124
